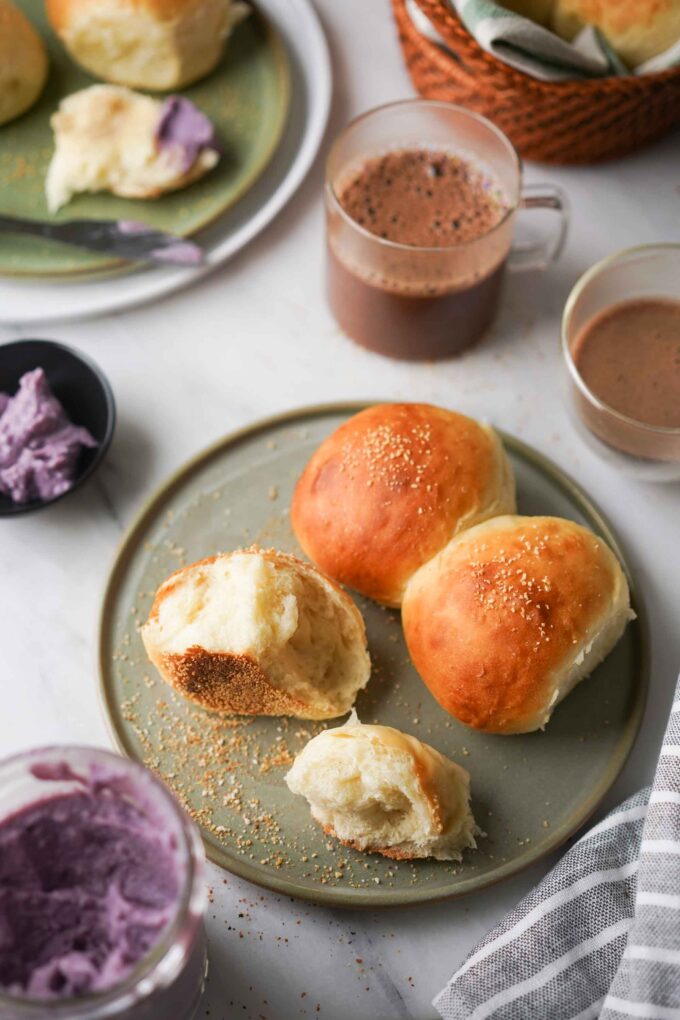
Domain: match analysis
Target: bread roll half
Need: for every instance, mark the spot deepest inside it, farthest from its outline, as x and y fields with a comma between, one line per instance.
x=507, y=619
x=106, y=138
x=390, y=487
x=146, y=44
x=383, y=791
x=258, y=632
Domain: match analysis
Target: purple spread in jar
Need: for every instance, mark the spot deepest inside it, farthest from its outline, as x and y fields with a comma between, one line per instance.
x=184, y=129
x=89, y=881
x=39, y=445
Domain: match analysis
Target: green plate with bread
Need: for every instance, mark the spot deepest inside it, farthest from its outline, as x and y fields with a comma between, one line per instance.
x=530, y=792
x=246, y=97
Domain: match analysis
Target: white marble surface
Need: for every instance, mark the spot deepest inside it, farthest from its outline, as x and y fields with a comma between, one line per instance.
x=257, y=338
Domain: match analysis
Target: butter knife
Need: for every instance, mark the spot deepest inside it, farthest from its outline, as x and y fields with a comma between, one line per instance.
x=126, y=239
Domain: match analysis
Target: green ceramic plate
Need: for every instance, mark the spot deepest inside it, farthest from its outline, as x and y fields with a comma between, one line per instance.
x=529, y=792
x=247, y=99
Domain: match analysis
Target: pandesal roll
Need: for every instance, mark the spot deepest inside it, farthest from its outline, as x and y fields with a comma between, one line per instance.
x=380, y=790
x=510, y=616
x=146, y=44
x=23, y=63
x=258, y=632
x=390, y=487
x=635, y=29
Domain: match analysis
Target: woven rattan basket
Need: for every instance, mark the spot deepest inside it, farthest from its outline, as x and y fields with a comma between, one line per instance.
x=553, y=122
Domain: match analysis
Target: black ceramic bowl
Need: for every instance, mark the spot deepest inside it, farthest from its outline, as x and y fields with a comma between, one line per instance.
x=83, y=391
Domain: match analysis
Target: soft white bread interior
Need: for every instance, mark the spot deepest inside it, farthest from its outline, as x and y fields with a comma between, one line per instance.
x=23, y=63
x=511, y=615
x=106, y=139
x=146, y=44
x=258, y=632
x=380, y=790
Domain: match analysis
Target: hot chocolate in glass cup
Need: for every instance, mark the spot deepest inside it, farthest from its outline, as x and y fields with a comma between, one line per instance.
x=621, y=350
x=421, y=204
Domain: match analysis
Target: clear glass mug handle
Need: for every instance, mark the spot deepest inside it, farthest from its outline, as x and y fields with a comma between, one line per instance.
x=539, y=254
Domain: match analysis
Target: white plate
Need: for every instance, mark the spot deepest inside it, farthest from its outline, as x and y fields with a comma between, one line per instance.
x=36, y=302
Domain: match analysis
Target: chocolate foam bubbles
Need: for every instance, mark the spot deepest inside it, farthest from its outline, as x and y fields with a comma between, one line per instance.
x=439, y=213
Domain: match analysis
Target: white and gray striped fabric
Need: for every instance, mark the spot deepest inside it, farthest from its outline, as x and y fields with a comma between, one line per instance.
x=600, y=936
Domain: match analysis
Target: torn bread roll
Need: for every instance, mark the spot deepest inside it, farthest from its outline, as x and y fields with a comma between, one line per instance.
x=382, y=791
x=146, y=44
x=108, y=138
x=390, y=487
x=511, y=615
x=258, y=632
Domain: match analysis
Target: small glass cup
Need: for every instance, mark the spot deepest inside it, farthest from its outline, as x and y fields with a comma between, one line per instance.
x=421, y=303
x=647, y=452
x=169, y=981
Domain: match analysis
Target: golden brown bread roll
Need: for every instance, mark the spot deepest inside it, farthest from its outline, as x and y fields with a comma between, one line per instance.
x=383, y=791
x=23, y=63
x=635, y=29
x=146, y=44
x=258, y=632
x=510, y=616
x=390, y=487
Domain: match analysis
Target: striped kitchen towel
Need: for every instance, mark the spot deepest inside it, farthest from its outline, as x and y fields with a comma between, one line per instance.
x=534, y=48
x=600, y=936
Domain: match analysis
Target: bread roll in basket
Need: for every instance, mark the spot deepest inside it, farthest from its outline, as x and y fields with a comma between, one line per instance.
x=573, y=121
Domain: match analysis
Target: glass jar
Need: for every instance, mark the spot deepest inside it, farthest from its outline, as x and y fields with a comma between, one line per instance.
x=168, y=982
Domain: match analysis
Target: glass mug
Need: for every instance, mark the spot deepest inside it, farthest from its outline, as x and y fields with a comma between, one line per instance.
x=169, y=980
x=636, y=448
x=415, y=302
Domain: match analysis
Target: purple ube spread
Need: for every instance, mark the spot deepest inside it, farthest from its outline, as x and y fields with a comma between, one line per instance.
x=39, y=445
x=88, y=883
x=184, y=129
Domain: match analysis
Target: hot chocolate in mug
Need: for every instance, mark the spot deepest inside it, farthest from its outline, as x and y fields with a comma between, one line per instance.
x=422, y=199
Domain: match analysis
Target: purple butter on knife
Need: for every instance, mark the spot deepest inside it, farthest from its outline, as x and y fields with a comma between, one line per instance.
x=174, y=250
